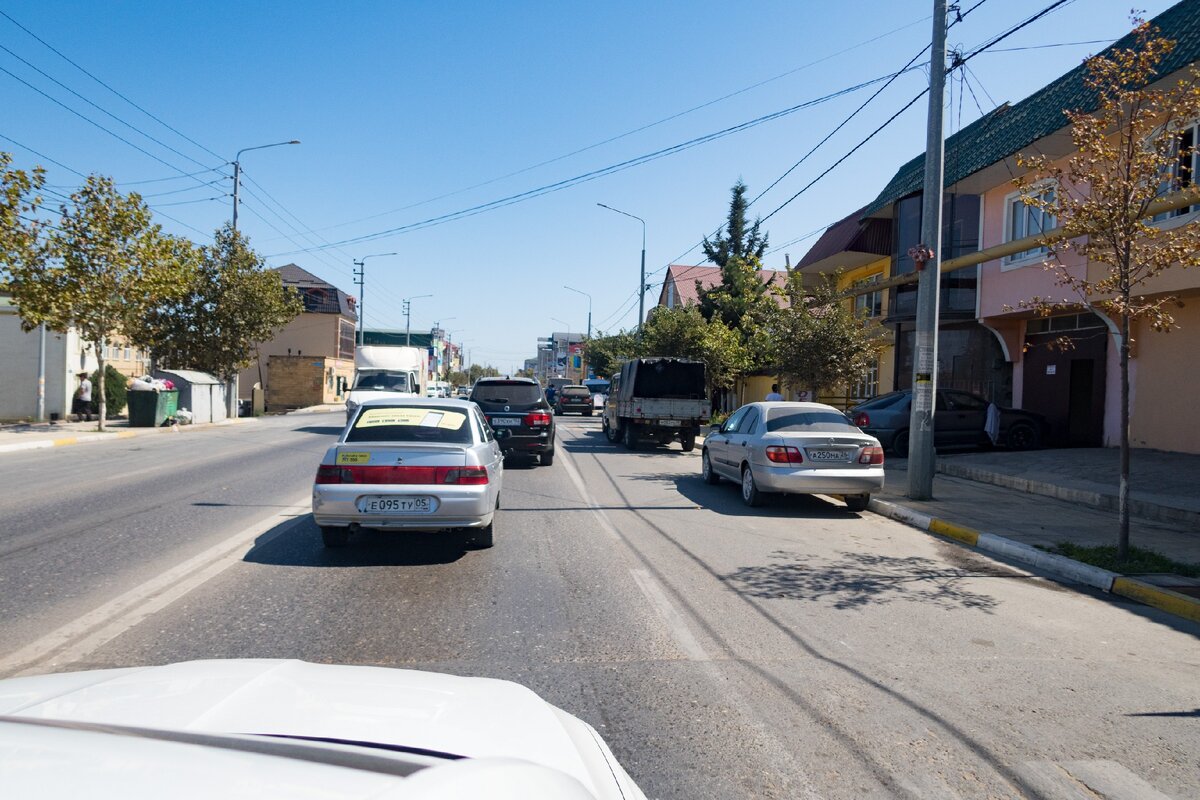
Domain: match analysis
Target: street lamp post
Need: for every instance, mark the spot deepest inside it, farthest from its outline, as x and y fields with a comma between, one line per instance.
x=568, y=349
x=642, y=285
x=232, y=389
x=589, y=325
x=408, y=317
x=359, y=279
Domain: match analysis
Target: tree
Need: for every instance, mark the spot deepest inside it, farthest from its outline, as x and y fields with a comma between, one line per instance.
x=818, y=341
x=606, y=351
x=20, y=229
x=228, y=302
x=1128, y=152
x=684, y=333
x=741, y=299
x=108, y=265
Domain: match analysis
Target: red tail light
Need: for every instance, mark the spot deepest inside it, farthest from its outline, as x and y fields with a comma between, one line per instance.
x=536, y=419
x=784, y=455
x=871, y=455
x=862, y=419
x=402, y=476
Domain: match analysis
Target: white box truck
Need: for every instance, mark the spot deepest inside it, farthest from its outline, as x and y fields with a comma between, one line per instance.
x=382, y=371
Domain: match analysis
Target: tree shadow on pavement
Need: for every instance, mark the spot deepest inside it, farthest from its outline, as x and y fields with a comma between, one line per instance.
x=324, y=430
x=861, y=579
x=297, y=543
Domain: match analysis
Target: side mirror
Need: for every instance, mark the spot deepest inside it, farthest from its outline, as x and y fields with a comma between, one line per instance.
x=715, y=428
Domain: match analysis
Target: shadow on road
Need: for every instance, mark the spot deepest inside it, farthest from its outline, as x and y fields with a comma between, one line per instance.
x=297, y=543
x=594, y=441
x=324, y=430
x=860, y=579
x=726, y=498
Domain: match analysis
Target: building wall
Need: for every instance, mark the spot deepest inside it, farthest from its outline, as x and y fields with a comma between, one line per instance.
x=302, y=381
x=1165, y=383
x=65, y=357
x=308, y=334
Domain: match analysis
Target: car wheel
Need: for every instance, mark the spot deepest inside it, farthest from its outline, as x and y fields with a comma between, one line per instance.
x=335, y=536
x=706, y=470
x=857, y=502
x=546, y=458
x=751, y=496
x=688, y=441
x=1023, y=436
x=482, y=538
x=587, y=413
x=629, y=436
x=900, y=445
x=610, y=432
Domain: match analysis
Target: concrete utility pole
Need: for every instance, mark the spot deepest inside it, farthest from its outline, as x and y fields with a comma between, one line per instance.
x=359, y=280
x=927, y=259
x=407, y=302
x=642, y=284
x=41, y=387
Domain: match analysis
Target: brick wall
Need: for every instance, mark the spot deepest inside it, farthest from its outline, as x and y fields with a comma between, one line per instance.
x=301, y=381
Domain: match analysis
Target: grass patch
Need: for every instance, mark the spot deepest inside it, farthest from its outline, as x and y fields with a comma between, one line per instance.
x=1139, y=560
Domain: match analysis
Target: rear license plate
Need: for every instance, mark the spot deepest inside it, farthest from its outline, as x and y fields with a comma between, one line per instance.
x=827, y=455
x=397, y=505
x=506, y=421
x=669, y=423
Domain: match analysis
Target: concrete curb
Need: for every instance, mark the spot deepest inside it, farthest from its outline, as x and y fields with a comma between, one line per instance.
x=64, y=441
x=1107, y=502
x=1181, y=605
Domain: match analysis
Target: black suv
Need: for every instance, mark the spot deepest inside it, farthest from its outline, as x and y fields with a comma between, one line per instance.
x=517, y=410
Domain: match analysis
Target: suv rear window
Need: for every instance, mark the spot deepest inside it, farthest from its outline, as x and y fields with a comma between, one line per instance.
x=410, y=424
x=500, y=393
x=576, y=391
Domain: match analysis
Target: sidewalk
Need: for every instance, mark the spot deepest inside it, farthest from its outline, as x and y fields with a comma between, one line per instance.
x=33, y=436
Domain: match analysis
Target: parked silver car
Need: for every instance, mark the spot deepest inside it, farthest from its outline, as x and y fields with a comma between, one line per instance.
x=794, y=448
x=410, y=464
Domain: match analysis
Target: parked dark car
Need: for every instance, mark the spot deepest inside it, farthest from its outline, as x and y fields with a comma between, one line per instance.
x=518, y=412
x=574, y=399
x=960, y=420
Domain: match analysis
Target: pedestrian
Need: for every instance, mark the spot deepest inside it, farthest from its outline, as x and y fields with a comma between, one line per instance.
x=774, y=396
x=82, y=407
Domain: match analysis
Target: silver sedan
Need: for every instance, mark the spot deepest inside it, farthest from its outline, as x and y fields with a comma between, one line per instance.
x=794, y=448
x=410, y=464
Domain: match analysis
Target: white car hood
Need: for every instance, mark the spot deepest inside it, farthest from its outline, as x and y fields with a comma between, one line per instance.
x=472, y=717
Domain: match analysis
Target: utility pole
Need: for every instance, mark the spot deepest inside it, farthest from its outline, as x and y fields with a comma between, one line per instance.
x=927, y=259
x=41, y=387
x=642, y=284
x=358, y=280
x=407, y=302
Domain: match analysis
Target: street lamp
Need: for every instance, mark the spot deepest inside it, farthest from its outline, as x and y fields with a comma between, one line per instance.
x=358, y=279
x=642, y=285
x=408, y=317
x=237, y=172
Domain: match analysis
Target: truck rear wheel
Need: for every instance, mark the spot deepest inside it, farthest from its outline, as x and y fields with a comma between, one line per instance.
x=629, y=436
x=688, y=440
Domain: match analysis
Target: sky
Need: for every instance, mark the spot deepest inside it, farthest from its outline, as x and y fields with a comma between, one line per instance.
x=475, y=139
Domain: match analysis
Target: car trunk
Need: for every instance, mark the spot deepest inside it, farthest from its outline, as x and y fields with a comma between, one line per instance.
x=832, y=451
x=401, y=463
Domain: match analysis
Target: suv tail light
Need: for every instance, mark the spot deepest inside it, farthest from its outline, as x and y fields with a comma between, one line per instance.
x=784, y=455
x=871, y=455
x=460, y=476
x=537, y=419
x=862, y=419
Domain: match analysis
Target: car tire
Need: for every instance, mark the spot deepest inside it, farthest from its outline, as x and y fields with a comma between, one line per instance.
x=546, y=458
x=629, y=436
x=688, y=441
x=900, y=444
x=337, y=536
x=706, y=469
x=1023, y=436
x=482, y=538
x=857, y=502
x=610, y=432
x=751, y=496
x=587, y=413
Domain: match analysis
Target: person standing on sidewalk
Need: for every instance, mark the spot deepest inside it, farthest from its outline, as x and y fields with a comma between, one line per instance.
x=83, y=398
x=774, y=395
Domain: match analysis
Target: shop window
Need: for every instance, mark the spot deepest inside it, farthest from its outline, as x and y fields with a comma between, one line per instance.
x=1023, y=220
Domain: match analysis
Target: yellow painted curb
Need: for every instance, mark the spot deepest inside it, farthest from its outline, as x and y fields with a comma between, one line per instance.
x=966, y=535
x=1163, y=599
x=65, y=441
x=126, y=434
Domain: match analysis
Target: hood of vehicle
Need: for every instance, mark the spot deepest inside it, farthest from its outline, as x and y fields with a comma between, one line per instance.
x=472, y=717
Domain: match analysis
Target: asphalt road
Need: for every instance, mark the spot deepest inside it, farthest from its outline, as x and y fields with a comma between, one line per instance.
x=796, y=650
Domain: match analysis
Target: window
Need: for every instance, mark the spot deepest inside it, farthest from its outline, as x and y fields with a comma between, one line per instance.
x=1025, y=220
x=1067, y=322
x=749, y=422
x=345, y=339
x=868, y=385
x=731, y=424
x=410, y=424
x=871, y=304
x=1182, y=172
x=786, y=420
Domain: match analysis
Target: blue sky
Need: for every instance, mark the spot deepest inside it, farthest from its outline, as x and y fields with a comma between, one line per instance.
x=409, y=111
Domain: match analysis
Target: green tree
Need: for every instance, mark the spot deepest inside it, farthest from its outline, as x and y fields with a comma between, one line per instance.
x=109, y=264
x=1128, y=152
x=606, y=351
x=20, y=230
x=683, y=332
x=817, y=340
x=227, y=303
x=741, y=300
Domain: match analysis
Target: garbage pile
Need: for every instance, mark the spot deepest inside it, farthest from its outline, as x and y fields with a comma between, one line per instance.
x=148, y=384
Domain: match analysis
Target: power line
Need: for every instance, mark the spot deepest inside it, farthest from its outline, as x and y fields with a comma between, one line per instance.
x=42, y=155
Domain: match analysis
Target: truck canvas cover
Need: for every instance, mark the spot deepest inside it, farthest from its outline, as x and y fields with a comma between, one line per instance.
x=666, y=378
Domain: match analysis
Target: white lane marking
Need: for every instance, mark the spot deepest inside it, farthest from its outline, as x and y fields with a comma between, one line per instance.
x=1087, y=780
x=76, y=640
x=670, y=615
x=577, y=479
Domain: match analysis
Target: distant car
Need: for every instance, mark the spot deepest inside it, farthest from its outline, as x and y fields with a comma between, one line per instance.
x=244, y=728
x=793, y=448
x=574, y=399
x=519, y=414
x=410, y=464
x=599, y=388
x=960, y=420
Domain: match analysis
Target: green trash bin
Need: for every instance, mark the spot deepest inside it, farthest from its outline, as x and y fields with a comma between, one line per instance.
x=152, y=409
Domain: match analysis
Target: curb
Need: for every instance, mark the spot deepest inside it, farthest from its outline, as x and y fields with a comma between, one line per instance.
x=64, y=441
x=1056, y=566
x=1107, y=502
